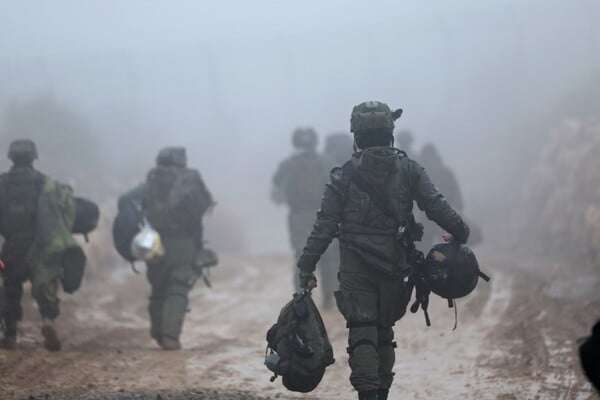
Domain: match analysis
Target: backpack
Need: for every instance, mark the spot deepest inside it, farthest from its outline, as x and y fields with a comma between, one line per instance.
x=126, y=225
x=87, y=215
x=175, y=199
x=298, y=347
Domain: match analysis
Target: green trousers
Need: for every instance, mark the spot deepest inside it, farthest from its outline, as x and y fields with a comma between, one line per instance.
x=171, y=278
x=371, y=302
x=44, y=289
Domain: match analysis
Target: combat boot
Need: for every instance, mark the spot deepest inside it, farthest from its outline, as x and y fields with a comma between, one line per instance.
x=382, y=394
x=8, y=342
x=51, y=341
x=367, y=395
x=169, y=344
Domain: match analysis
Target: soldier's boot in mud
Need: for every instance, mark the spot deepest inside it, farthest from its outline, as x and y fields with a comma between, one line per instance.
x=155, y=311
x=367, y=395
x=166, y=343
x=382, y=394
x=51, y=340
x=173, y=313
x=8, y=343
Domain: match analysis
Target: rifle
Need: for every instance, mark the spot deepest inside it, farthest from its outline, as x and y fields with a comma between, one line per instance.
x=206, y=258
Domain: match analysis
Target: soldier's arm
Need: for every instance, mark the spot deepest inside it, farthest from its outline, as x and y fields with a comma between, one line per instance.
x=327, y=223
x=205, y=193
x=435, y=205
x=135, y=196
x=277, y=192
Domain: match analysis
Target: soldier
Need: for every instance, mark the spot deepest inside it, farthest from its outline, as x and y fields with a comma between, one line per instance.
x=173, y=199
x=373, y=293
x=404, y=141
x=446, y=182
x=299, y=183
x=20, y=191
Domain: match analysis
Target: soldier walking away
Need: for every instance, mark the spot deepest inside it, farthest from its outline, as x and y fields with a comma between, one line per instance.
x=299, y=182
x=373, y=292
x=404, y=140
x=173, y=199
x=36, y=237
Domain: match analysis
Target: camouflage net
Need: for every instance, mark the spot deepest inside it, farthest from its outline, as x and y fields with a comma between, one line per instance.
x=561, y=204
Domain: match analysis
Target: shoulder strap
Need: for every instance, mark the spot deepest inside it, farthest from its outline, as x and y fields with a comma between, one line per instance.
x=380, y=201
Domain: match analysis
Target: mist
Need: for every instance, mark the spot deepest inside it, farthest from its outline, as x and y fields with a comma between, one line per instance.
x=483, y=81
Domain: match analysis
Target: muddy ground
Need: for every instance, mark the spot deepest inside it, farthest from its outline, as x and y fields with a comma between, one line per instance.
x=516, y=339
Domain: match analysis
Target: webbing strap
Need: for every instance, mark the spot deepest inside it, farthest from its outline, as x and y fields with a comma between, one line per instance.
x=361, y=324
x=388, y=344
x=361, y=342
x=484, y=276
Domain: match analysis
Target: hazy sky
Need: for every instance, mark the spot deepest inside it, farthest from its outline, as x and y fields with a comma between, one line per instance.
x=231, y=79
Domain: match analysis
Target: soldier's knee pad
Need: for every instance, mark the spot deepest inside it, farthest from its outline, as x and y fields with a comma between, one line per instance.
x=387, y=356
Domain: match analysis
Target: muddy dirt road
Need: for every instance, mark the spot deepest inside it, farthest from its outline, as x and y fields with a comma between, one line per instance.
x=515, y=340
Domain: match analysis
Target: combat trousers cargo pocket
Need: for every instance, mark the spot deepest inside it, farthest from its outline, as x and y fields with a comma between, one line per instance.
x=394, y=296
x=357, y=306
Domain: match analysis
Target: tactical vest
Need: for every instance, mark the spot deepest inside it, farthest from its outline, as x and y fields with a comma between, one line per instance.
x=19, y=193
x=159, y=183
x=365, y=228
x=174, y=200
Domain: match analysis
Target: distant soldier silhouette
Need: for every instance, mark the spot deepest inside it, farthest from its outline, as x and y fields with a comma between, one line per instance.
x=174, y=200
x=299, y=182
x=404, y=140
x=36, y=218
x=447, y=184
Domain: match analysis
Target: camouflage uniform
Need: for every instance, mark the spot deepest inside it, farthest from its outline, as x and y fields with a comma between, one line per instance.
x=447, y=183
x=174, y=199
x=20, y=190
x=299, y=182
x=373, y=269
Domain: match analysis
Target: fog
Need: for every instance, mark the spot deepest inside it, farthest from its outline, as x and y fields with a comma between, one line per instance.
x=230, y=80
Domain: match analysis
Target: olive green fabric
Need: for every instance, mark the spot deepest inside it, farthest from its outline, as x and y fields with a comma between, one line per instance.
x=174, y=200
x=19, y=192
x=378, y=301
x=171, y=278
x=373, y=294
x=362, y=226
x=40, y=258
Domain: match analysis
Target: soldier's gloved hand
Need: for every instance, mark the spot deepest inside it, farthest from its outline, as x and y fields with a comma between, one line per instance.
x=308, y=280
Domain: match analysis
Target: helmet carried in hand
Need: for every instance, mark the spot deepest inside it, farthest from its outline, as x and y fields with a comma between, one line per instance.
x=451, y=270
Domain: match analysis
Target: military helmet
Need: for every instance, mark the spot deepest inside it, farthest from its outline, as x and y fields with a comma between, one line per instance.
x=373, y=116
x=172, y=157
x=305, y=138
x=451, y=270
x=22, y=149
